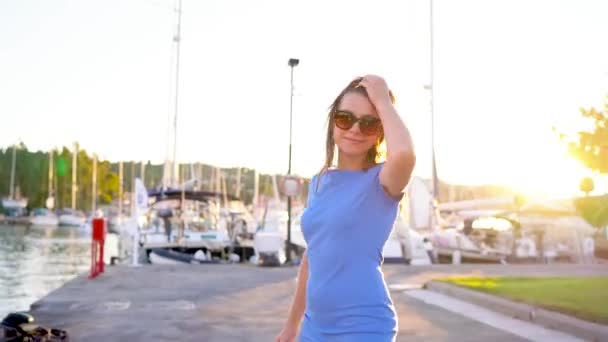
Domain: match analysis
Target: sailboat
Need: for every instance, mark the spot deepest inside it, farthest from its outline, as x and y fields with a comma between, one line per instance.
x=186, y=224
x=425, y=219
x=45, y=216
x=71, y=216
x=14, y=205
x=270, y=239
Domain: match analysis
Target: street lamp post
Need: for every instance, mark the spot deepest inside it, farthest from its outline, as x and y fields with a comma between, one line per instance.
x=293, y=62
x=432, y=99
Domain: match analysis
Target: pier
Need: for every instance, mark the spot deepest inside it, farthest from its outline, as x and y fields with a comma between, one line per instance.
x=246, y=303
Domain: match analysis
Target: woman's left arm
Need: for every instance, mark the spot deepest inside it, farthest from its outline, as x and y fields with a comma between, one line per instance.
x=401, y=158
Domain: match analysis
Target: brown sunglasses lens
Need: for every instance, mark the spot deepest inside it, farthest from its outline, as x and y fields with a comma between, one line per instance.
x=367, y=125
x=344, y=120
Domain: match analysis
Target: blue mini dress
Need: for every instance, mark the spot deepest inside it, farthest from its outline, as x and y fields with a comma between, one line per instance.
x=346, y=224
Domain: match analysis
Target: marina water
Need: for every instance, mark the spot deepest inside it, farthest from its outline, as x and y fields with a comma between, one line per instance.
x=35, y=260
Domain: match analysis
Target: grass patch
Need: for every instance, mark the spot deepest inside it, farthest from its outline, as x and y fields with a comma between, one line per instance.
x=585, y=298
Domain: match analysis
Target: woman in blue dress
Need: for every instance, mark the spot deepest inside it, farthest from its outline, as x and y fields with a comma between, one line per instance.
x=341, y=294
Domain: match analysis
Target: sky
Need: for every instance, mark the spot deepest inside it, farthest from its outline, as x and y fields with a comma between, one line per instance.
x=505, y=73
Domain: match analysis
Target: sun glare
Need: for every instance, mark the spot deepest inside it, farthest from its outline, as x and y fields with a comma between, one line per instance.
x=553, y=174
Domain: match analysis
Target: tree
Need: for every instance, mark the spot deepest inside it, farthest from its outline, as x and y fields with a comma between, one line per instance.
x=591, y=146
x=586, y=185
x=591, y=149
x=594, y=210
x=31, y=177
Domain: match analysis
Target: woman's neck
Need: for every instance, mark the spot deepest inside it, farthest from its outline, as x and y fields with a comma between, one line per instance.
x=352, y=163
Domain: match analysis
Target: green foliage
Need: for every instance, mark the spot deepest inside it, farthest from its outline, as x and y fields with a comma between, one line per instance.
x=591, y=147
x=585, y=298
x=594, y=210
x=586, y=185
x=32, y=168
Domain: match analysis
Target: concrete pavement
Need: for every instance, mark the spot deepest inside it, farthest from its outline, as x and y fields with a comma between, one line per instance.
x=238, y=303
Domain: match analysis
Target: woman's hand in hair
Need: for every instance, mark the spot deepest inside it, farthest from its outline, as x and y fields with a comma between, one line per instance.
x=377, y=91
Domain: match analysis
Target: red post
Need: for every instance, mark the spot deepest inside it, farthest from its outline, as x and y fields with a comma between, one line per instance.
x=93, y=259
x=98, y=239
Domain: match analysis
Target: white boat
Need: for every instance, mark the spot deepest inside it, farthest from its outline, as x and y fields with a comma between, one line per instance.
x=452, y=240
x=553, y=230
x=405, y=245
x=181, y=216
x=71, y=218
x=270, y=239
x=212, y=240
x=201, y=226
x=43, y=217
x=116, y=221
x=15, y=210
x=162, y=256
x=14, y=205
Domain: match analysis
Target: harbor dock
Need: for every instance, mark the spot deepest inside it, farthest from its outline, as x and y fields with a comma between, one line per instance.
x=246, y=303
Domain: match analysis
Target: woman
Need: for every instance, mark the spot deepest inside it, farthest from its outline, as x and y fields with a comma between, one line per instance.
x=341, y=293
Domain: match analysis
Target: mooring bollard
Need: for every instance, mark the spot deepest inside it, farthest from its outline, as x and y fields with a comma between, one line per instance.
x=98, y=238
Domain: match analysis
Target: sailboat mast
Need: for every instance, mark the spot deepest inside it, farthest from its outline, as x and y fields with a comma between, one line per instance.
x=94, y=186
x=50, y=194
x=275, y=189
x=12, y=184
x=132, y=180
x=237, y=193
x=198, y=173
x=176, y=39
x=74, y=175
x=256, y=188
x=224, y=189
x=120, y=181
x=50, y=200
x=433, y=223
x=431, y=90
x=142, y=173
x=218, y=175
x=212, y=180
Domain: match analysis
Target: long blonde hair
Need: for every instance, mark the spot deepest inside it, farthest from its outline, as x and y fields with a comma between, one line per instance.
x=374, y=154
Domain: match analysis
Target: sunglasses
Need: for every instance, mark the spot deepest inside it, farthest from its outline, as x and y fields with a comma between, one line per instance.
x=368, y=125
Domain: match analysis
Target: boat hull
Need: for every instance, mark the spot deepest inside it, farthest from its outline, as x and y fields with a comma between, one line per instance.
x=162, y=256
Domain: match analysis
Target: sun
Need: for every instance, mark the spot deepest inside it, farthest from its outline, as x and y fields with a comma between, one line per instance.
x=534, y=164
x=552, y=174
